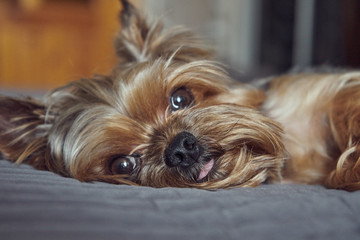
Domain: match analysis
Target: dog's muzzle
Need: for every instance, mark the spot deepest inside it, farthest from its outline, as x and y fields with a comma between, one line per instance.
x=183, y=151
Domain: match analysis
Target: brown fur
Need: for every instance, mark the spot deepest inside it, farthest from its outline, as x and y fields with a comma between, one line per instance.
x=304, y=128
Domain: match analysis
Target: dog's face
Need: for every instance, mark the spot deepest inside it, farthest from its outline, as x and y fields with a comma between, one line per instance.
x=167, y=116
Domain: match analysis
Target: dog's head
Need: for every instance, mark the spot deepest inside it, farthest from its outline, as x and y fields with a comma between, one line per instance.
x=168, y=115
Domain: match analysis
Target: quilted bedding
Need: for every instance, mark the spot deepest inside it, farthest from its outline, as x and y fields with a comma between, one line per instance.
x=41, y=205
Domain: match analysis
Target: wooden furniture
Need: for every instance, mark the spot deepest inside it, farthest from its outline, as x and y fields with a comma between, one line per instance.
x=46, y=43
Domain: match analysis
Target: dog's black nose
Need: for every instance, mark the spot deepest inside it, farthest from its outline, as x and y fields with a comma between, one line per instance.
x=183, y=151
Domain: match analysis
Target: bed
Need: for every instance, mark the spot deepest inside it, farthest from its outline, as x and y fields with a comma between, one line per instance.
x=42, y=205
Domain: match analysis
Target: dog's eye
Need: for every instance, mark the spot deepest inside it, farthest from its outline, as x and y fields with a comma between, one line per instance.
x=180, y=99
x=122, y=165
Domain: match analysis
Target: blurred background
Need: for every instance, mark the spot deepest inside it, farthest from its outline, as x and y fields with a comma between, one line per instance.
x=46, y=43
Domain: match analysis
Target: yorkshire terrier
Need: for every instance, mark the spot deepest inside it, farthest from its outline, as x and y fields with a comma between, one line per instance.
x=169, y=116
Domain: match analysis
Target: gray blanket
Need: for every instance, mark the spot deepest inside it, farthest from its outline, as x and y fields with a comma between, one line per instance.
x=41, y=205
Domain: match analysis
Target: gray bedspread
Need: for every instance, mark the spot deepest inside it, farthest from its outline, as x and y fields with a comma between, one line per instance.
x=41, y=205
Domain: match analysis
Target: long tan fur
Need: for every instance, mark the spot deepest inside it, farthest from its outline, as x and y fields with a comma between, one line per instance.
x=304, y=128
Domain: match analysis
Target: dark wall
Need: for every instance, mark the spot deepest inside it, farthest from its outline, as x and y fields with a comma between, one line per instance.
x=336, y=34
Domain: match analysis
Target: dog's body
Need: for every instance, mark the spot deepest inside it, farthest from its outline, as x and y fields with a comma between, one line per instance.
x=318, y=113
x=170, y=116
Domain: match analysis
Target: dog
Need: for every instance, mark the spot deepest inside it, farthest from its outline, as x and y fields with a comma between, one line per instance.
x=169, y=115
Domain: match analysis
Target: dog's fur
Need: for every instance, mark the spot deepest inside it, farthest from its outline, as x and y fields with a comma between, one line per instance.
x=169, y=115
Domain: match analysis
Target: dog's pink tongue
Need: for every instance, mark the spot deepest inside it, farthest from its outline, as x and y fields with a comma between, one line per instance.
x=206, y=169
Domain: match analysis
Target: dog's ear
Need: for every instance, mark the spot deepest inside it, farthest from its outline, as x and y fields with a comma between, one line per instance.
x=22, y=130
x=139, y=41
